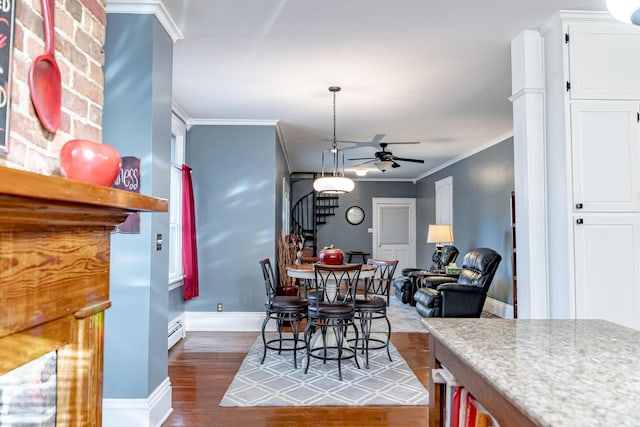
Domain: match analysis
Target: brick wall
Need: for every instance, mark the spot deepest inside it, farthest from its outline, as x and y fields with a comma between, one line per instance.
x=79, y=38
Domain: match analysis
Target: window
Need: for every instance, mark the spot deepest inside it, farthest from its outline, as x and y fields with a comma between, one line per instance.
x=178, y=133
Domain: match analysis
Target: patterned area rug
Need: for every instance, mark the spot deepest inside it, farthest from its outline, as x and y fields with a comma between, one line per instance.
x=404, y=317
x=276, y=383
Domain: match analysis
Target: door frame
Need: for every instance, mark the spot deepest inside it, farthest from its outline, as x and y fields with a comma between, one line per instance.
x=406, y=201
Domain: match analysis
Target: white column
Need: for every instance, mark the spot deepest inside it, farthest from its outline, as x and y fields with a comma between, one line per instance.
x=528, y=98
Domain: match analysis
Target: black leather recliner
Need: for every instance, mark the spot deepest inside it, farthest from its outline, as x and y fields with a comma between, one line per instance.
x=405, y=286
x=465, y=297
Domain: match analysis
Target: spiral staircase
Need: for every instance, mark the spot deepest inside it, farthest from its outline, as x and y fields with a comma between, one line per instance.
x=310, y=211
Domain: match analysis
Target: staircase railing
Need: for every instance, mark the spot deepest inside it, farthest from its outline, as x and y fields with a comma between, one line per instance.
x=308, y=213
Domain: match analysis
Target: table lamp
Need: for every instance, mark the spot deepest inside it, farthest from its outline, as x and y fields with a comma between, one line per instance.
x=439, y=234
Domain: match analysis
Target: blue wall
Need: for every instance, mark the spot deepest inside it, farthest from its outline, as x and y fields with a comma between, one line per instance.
x=137, y=121
x=237, y=180
x=482, y=186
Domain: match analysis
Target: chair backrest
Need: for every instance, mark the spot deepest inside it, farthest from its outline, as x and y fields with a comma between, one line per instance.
x=440, y=260
x=336, y=283
x=380, y=283
x=478, y=268
x=449, y=254
x=269, y=278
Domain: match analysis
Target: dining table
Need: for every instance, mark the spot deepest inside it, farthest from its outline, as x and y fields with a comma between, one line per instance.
x=306, y=272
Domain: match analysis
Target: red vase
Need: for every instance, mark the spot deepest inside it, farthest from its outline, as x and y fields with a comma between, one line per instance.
x=331, y=256
x=90, y=162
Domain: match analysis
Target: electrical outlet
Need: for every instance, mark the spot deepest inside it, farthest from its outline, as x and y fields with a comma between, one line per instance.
x=219, y=306
x=158, y=242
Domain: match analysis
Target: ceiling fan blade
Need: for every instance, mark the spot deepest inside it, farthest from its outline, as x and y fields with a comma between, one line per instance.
x=408, y=160
x=402, y=142
x=395, y=165
x=364, y=163
x=377, y=138
x=363, y=158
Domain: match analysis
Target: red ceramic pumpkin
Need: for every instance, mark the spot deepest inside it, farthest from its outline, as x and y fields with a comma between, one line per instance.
x=90, y=162
x=331, y=256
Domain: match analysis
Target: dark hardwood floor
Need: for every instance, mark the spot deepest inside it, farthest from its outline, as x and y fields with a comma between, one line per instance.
x=202, y=366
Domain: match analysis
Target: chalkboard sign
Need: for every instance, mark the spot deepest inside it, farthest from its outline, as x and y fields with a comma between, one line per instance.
x=7, y=18
x=129, y=179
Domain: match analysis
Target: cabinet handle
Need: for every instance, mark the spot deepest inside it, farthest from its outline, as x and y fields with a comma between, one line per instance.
x=578, y=205
x=579, y=221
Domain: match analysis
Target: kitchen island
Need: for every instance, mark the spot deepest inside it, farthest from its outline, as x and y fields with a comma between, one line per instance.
x=540, y=372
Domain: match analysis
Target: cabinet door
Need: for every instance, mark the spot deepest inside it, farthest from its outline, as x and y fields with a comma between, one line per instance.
x=605, y=152
x=604, y=61
x=607, y=251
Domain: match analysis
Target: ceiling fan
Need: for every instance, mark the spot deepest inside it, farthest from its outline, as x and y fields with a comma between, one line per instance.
x=385, y=160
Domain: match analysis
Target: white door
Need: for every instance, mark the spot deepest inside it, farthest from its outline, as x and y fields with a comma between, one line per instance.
x=606, y=154
x=394, y=231
x=607, y=267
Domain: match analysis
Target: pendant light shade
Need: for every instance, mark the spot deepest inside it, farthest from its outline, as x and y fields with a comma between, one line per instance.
x=333, y=185
x=625, y=10
x=335, y=182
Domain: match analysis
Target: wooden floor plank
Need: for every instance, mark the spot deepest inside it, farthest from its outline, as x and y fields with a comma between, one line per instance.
x=202, y=366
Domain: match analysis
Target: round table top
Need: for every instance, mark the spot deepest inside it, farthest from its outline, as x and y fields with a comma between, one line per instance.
x=305, y=271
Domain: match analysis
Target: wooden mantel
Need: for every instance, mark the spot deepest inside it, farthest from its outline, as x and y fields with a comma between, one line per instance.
x=55, y=239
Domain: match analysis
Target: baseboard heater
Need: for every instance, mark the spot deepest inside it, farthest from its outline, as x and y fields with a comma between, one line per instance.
x=176, y=332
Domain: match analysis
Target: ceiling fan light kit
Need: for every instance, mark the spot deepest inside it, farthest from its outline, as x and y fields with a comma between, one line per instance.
x=625, y=10
x=384, y=165
x=336, y=183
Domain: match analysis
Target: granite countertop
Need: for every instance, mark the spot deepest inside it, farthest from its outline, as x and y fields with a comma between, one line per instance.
x=560, y=372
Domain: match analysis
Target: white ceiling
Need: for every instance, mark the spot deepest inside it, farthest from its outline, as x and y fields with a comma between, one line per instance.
x=432, y=71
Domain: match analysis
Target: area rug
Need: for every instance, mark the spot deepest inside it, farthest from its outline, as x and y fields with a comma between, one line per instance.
x=277, y=383
x=403, y=317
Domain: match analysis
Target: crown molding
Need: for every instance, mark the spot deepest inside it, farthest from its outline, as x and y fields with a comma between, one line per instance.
x=575, y=15
x=147, y=7
x=463, y=156
x=179, y=112
x=231, y=122
x=283, y=146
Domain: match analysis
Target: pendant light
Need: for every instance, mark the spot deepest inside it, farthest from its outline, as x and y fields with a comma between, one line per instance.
x=625, y=10
x=336, y=183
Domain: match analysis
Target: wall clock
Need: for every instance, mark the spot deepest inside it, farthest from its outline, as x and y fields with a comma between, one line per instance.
x=355, y=215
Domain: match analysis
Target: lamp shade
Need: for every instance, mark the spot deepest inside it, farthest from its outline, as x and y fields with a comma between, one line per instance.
x=333, y=185
x=625, y=10
x=439, y=233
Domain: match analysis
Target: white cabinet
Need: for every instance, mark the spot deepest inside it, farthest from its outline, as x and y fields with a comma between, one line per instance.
x=605, y=142
x=606, y=268
x=592, y=99
x=604, y=61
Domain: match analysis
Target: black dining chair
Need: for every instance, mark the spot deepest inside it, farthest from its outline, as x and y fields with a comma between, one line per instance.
x=285, y=310
x=331, y=314
x=372, y=305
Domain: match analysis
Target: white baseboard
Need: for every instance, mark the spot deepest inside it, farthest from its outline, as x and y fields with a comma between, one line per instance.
x=226, y=321
x=149, y=412
x=498, y=308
